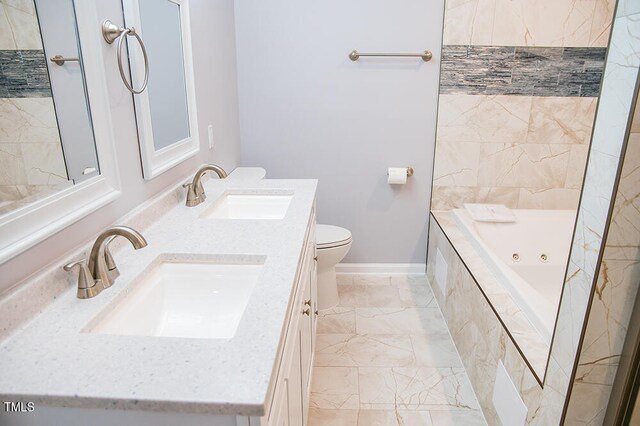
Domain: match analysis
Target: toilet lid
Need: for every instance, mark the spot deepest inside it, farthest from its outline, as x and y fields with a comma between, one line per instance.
x=331, y=236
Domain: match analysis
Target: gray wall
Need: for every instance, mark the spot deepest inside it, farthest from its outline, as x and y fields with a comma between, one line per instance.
x=215, y=79
x=307, y=111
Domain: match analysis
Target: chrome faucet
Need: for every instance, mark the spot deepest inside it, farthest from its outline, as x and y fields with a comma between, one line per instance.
x=101, y=270
x=195, y=191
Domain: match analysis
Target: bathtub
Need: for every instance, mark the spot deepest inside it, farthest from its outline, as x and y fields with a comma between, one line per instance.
x=528, y=257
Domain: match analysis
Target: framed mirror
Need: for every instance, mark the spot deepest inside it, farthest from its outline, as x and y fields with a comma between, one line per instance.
x=56, y=143
x=166, y=110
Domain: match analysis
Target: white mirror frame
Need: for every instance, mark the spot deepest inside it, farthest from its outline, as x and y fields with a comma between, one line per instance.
x=155, y=162
x=25, y=227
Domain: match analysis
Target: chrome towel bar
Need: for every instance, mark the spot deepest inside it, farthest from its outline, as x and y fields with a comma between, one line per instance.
x=60, y=60
x=426, y=55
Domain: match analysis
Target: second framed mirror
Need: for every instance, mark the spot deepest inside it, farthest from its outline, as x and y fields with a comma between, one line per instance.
x=166, y=110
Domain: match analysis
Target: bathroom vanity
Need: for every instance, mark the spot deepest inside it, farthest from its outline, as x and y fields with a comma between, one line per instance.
x=212, y=323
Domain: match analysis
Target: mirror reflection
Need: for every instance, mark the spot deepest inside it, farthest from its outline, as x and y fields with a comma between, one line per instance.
x=46, y=136
x=167, y=88
x=516, y=109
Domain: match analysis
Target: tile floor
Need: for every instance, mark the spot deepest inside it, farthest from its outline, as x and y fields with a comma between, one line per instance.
x=384, y=357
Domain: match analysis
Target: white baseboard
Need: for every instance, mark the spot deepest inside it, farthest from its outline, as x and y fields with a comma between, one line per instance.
x=381, y=268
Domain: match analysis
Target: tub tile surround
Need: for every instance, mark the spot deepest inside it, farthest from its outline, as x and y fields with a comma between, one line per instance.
x=521, y=151
x=522, y=332
x=582, y=23
x=19, y=28
x=388, y=360
x=517, y=97
x=521, y=71
x=52, y=372
x=482, y=340
x=589, y=384
x=31, y=158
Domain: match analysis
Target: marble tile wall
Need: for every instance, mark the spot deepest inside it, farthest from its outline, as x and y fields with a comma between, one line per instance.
x=521, y=151
x=612, y=283
x=613, y=295
x=31, y=158
x=518, y=94
x=482, y=341
x=521, y=22
x=523, y=71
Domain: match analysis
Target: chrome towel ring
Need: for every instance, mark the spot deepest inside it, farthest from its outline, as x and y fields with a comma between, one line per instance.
x=111, y=32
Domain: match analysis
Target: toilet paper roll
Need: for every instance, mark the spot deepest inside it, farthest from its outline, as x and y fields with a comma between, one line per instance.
x=397, y=175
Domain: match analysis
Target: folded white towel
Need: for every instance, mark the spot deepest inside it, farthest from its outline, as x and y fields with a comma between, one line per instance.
x=490, y=212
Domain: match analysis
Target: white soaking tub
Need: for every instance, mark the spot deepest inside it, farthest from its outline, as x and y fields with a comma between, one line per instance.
x=528, y=257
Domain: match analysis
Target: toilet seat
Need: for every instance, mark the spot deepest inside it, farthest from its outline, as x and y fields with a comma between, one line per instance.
x=329, y=236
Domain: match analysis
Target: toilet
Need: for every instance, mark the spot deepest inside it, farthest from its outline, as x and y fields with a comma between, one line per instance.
x=332, y=245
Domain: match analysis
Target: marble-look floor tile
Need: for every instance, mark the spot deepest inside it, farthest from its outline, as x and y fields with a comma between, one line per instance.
x=337, y=320
x=399, y=320
x=372, y=279
x=342, y=279
x=351, y=350
x=335, y=388
x=368, y=295
x=394, y=418
x=457, y=418
x=435, y=350
x=319, y=417
x=416, y=389
x=414, y=291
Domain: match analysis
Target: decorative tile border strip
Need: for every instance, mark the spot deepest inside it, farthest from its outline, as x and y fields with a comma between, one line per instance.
x=23, y=74
x=522, y=71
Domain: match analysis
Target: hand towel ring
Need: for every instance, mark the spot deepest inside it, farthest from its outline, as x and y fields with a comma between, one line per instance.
x=111, y=32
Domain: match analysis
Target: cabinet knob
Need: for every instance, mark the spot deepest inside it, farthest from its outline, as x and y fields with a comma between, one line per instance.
x=315, y=258
x=307, y=311
x=316, y=312
x=307, y=302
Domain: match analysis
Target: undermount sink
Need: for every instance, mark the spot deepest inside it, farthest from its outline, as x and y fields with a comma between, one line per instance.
x=258, y=205
x=184, y=299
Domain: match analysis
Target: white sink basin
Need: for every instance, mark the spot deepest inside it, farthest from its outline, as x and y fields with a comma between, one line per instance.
x=249, y=206
x=181, y=299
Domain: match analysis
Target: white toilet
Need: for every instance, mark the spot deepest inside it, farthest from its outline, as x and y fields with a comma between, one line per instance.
x=332, y=244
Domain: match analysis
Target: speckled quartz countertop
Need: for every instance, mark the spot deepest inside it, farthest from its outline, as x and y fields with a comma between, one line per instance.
x=53, y=362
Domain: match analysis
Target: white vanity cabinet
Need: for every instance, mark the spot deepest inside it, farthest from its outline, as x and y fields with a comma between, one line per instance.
x=279, y=323
x=290, y=403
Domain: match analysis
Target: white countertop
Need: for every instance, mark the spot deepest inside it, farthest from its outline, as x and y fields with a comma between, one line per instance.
x=52, y=362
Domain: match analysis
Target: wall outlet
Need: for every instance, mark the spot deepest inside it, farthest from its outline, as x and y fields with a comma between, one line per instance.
x=506, y=399
x=210, y=135
x=441, y=272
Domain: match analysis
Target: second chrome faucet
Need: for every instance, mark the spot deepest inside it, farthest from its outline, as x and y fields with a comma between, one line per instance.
x=101, y=270
x=195, y=191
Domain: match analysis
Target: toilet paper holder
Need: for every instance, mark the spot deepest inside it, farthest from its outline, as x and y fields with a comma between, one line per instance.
x=409, y=172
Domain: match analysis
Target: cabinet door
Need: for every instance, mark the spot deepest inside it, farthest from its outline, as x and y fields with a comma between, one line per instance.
x=305, y=347
x=294, y=385
x=280, y=414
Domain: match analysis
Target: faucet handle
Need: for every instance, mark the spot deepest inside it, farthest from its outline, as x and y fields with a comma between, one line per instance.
x=192, y=196
x=86, y=284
